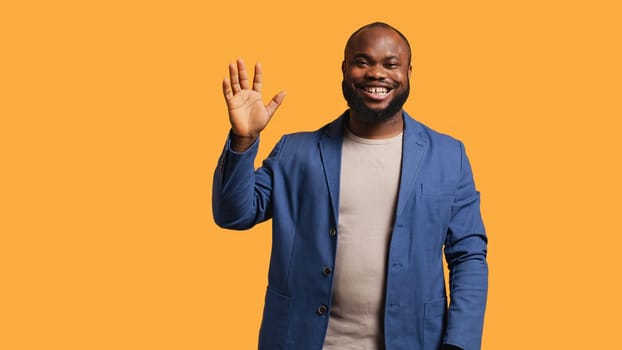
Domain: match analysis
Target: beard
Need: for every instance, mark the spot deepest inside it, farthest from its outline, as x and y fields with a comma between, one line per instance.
x=373, y=116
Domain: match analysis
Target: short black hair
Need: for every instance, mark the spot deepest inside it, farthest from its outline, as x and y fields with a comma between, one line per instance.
x=376, y=25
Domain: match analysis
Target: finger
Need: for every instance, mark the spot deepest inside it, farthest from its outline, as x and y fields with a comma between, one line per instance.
x=233, y=75
x=275, y=102
x=257, y=78
x=226, y=89
x=242, y=74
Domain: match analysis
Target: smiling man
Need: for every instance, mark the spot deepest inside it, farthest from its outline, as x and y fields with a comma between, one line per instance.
x=376, y=72
x=363, y=211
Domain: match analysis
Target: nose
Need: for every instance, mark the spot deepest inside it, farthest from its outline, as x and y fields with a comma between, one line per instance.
x=376, y=72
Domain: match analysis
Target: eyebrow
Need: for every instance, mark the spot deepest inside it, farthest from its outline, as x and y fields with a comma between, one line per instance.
x=368, y=57
x=361, y=55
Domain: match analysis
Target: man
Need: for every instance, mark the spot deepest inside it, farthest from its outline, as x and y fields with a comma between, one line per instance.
x=361, y=212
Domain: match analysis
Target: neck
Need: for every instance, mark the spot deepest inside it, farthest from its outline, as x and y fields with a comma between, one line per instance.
x=384, y=130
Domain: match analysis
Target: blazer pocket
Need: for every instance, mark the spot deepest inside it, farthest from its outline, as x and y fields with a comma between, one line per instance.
x=274, y=330
x=434, y=318
x=433, y=203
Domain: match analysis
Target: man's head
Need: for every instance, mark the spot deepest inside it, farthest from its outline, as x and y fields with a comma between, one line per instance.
x=376, y=72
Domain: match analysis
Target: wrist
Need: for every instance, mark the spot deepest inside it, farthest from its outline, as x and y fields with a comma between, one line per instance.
x=241, y=143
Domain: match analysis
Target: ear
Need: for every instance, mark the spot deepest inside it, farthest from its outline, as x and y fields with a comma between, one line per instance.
x=410, y=71
x=343, y=67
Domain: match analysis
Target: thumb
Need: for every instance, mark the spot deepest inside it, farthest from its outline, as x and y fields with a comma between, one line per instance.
x=275, y=102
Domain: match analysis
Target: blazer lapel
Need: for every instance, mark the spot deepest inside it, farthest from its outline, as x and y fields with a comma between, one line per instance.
x=414, y=148
x=330, y=152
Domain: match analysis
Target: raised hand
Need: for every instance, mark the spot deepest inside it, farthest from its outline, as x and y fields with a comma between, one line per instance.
x=247, y=113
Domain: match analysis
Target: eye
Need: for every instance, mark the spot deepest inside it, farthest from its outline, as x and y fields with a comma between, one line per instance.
x=361, y=62
x=392, y=65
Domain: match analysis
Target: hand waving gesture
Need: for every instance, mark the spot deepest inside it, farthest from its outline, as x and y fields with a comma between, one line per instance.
x=247, y=113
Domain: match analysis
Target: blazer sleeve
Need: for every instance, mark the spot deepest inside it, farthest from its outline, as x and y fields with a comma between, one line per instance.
x=241, y=195
x=465, y=252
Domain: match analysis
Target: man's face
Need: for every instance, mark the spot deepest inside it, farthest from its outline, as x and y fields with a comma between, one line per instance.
x=376, y=72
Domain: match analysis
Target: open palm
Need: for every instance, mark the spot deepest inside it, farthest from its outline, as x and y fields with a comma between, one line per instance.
x=247, y=113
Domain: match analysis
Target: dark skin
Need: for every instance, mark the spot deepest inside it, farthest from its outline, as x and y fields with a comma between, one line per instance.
x=376, y=58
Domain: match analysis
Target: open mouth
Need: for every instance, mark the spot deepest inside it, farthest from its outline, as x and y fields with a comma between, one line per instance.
x=375, y=92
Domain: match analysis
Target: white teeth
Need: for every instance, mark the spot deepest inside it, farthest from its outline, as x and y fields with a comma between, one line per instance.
x=376, y=90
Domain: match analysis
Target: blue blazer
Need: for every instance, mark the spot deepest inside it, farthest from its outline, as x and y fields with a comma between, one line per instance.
x=437, y=212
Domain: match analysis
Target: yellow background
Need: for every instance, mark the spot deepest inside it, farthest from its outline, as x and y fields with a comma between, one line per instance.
x=112, y=120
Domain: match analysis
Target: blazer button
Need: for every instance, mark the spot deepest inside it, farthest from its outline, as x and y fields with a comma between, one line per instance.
x=321, y=310
x=332, y=232
x=326, y=271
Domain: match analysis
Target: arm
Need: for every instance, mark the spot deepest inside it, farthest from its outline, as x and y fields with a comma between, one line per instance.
x=240, y=195
x=465, y=252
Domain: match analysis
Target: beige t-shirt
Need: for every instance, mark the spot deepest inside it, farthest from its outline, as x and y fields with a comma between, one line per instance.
x=370, y=173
